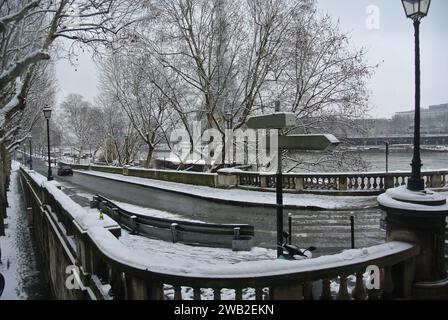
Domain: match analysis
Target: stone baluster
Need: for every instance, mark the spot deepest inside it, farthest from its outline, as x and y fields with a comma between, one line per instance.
x=258, y=294
x=217, y=294
x=359, y=292
x=343, y=290
x=154, y=290
x=387, y=284
x=308, y=291
x=363, y=182
x=356, y=183
x=238, y=294
x=326, y=290
x=196, y=293
x=177, y=292
x=116, y=283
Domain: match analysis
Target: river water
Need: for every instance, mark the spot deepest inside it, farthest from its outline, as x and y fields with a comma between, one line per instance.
x=402, y=160
x=376, y=161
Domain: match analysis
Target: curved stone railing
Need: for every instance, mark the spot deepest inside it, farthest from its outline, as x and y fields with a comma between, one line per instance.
x=374, y=182
x=73, y=241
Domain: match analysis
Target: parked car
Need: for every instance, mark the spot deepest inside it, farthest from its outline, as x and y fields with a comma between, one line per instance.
x=64, y=170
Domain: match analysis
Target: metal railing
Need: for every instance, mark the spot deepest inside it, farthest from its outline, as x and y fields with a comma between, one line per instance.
x=239, y=237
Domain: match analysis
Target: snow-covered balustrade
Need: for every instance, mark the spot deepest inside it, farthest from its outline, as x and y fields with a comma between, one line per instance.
x=374, y=182
x=72, y=239
x=133, y=276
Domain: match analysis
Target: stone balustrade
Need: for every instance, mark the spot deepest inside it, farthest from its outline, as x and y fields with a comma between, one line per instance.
x=334, y=183
x=374, y=182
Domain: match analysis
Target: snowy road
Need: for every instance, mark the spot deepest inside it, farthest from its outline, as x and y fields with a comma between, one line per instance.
x=327, y=230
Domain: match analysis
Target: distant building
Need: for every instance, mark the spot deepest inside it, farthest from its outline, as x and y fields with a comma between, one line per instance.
x=434, y=119
x=434, y=111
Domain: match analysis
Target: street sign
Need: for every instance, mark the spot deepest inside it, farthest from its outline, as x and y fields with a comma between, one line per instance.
x=278, y=120
x=312, y=142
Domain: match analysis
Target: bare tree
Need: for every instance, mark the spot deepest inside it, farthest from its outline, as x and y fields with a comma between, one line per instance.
x=124, y=80
x=28, y=29
x=122, y=142
x=83, y=122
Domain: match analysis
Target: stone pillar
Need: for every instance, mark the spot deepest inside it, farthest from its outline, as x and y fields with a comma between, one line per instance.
x=299, y=182
x=227, y=179
x=343, y=185
x=263, y=182
x=419, y=218
x=389, y=182
x=436, y=181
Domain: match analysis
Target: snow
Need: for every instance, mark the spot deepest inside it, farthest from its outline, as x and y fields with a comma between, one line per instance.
x=246, y=196
x=150, y=212
x=230, y=170
x=399, y=198
x=12, y=103
x=78, y=213
x=191, y=256
x=18, y=263
x=178, y=265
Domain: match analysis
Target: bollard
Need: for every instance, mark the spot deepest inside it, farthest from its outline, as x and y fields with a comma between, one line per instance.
x=134, y=225
x=174, y=231
x=236, y=233
x=290, y=228
x=116, y=214
x=352, y=229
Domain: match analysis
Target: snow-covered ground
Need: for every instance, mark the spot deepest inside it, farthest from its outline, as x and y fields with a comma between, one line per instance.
x=18, y=261
x=152, y=212
x=238, y=195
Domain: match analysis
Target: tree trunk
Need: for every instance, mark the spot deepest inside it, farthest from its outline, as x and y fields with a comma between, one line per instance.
x=149, y=157
x=4, y=173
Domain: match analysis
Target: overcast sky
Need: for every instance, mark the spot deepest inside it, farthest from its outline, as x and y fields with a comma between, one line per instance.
x=389, y=38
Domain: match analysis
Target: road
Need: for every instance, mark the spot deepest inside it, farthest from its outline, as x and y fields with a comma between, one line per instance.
x=327, y=230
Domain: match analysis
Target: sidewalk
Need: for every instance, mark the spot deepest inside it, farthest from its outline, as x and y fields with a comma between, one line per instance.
x=247, y=196
x=19, y=264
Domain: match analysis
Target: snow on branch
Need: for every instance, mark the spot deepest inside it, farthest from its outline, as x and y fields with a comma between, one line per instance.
x=18, y=15
x=18, y=68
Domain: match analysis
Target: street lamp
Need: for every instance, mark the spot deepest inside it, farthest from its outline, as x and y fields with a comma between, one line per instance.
x=416, y=10
x=227, y=117
x=47, y=115
x=31, y=151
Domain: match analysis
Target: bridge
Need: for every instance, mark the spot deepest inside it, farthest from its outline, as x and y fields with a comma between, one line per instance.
x=426, y=139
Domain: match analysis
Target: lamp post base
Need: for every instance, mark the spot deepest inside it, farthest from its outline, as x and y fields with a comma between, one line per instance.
x=416, y=184
x=419, y=217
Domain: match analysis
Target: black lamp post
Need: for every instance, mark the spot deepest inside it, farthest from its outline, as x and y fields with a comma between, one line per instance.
x=227, y=118
x=31, y=151
x=47, y=115
x=416, y=10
